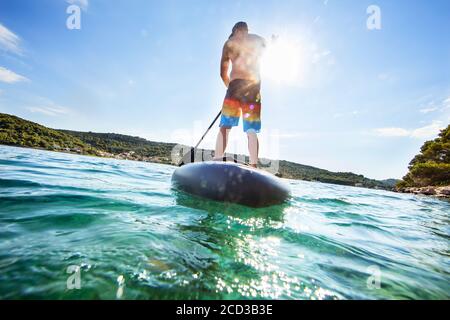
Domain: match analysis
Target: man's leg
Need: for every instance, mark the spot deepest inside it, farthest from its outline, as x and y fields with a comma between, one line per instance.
x=221, y=142
x=253, y=148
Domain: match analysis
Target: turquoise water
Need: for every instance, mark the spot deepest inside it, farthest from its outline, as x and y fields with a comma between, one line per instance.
x=133, y=237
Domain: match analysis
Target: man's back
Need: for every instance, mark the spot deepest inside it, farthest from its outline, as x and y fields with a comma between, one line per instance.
x=245, y=55
x=243, y=97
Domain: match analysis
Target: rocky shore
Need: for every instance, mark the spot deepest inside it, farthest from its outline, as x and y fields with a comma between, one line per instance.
x=440, y=192
x=131, y=155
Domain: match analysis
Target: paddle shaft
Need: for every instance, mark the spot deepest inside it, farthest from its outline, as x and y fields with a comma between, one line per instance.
x=207, y=130
x=192, y=152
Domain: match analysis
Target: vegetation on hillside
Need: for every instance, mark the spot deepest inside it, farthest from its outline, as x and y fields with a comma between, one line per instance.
x=431, y=167
x=18, y=132
x=116, y=144
x=15, y=131
x=298, y=171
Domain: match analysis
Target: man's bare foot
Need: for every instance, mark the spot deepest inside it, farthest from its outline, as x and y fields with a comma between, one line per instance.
x=254, y=166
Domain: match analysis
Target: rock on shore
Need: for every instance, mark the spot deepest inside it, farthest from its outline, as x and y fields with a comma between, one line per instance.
x=441, y=192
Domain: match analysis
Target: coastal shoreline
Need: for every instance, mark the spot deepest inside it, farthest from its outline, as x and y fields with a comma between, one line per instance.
x=129, y=156
x=426, y=169
x=15, y=131
x=440, y=192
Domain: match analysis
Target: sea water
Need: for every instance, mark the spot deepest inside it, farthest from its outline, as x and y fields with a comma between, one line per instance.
x=77, y=227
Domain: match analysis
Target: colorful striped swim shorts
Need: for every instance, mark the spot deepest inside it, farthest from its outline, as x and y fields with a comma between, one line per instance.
x=243, y=97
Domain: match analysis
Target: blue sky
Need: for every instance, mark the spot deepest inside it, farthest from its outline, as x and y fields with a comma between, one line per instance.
x=361, y=100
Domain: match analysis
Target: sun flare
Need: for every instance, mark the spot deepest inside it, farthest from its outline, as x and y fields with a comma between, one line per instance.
x=282, y=61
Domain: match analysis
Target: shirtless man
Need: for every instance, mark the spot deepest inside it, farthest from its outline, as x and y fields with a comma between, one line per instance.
x=244, y=50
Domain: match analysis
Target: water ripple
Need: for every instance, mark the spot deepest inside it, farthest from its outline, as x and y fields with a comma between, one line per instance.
x=122, y=220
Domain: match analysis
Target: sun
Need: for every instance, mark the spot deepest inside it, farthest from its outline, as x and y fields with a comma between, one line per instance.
x=282, y=61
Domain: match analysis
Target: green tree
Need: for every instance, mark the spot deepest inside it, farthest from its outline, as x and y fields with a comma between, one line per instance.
x=431, y=167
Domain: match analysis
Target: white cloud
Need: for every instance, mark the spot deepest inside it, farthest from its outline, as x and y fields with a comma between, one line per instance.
x=425, y=132
x=83, y=4
x=9, y=76
x=428, y=131
x=9, y=41
x=446, y=103
x=47, y=107
x=432, y=106
x=428, y=110
x=391, y=132
x=429, y=107
x=48, y=110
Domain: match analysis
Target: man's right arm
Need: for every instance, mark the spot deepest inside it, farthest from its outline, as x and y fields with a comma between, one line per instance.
x=225, y=64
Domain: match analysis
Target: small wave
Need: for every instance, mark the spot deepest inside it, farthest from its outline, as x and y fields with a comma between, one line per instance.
x=66, y=200
x=56, y=221
x=326, y=201
x=367, y=226
x=11, y=183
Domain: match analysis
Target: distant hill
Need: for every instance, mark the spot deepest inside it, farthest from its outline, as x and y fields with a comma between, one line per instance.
x=124, y=146
x=431, y=167
x=15, y=131
x=391, y=182
x=19, y=132
x=302, y=172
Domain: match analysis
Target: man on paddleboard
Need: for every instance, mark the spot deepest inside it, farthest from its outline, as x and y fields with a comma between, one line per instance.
x=243, y=97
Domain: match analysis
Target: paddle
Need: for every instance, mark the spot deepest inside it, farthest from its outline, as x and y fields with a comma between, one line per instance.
x=192, y=151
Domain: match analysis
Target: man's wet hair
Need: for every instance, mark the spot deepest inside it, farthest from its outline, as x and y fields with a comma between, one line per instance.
x=241, y=25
